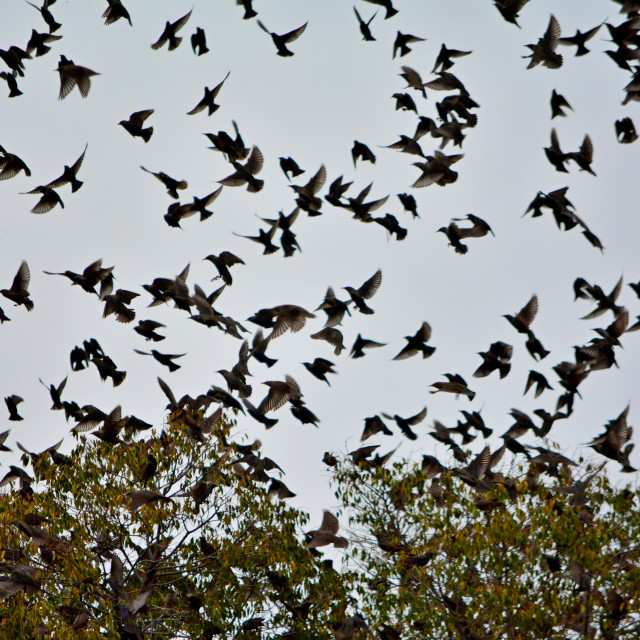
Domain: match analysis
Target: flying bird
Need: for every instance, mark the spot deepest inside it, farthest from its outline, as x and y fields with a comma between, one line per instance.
x=365, y=292
x=544, y=51
x=115, y=11
x=208, y=101
x=386, y=4
x=360, y=344
x=364, y=26
x=170, y=183
x=11, y=165
x=48, y=200
x=222, y=263
x=245, y=173
x=18, y=293
x=72, y=75
x=199, y=42
x=405, y=424
x=558, y=103
x=326, y=533
x=134, y=125
x=165, y=359
x=169, y=33
x=523, y=319
x=402, y=42
x=417, y=344
x=69, y=175
x=281, y=41
x=579, y=40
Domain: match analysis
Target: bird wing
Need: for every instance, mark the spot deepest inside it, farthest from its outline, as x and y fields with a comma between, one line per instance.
x=295, y=34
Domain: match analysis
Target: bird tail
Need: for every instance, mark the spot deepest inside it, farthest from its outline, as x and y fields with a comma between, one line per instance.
x=146, y=134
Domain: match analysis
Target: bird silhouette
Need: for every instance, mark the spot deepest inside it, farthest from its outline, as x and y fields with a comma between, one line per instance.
x=208, y=101
x=134, y=127
x=281, y=41
x=72, y=75
x=364, y=26
x=199, y=42
x=169, y=33
x=18, y=293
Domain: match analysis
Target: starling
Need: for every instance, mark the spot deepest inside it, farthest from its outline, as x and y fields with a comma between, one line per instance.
x=134, y=124
x=72, y=75
x=169, y=33
x=281, y=41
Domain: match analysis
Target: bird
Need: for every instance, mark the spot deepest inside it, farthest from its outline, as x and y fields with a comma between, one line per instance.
x=386, y=4
x=364, y=26
x=169, y=33
x=558, y=103
x=625, y=132
x=163, y=358
x=373, y=425
x=319, y=368
x=248, y=9
x=11, y=165
x=402, y=42
x=414, y=80
x=46, y=14
x=584, y=156
x=436, y=170
x=365, y=292
x=38, y=42
x=455, y=384
x=92, y=276
x=326, y=533
x=495, y=359
x=405, y=102
x=417, y=344
x=307, y=199
x=245, y=173
x=409, y=204
x=405, y=424
x=115, y=11
x=18, y=293
x=133, y=125
x=265, y=238
x=208, y=101
x=360, y=344
x=69, y=175
x=444, y=58
x=281, y=41
x=72, y=75
x=579, y=40
x=555, y=154
x=12, y=403
x=509, y=9
x=544, y=51
x=331, y=335
x=540, y=382
x=523, y=319
x=222, y=263
x=48, y=201
x=147, y=329
x=170, y=183
x=290, y=166
x=613, y=442
x=199, y=42
x=362, y=151
x=280, y=392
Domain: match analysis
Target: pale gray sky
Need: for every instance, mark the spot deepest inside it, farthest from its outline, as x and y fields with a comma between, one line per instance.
x=334, y=90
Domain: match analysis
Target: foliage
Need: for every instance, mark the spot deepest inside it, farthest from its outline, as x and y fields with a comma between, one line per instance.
x=216, y=555
x=516, y=560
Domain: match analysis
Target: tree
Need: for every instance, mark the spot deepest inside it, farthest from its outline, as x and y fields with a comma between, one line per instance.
x=470, y=553
x=171, y=536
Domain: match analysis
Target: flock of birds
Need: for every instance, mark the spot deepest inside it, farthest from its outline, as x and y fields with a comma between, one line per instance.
x=453, y=119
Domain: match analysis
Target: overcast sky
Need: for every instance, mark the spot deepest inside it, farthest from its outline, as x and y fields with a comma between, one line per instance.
x=312, y=106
